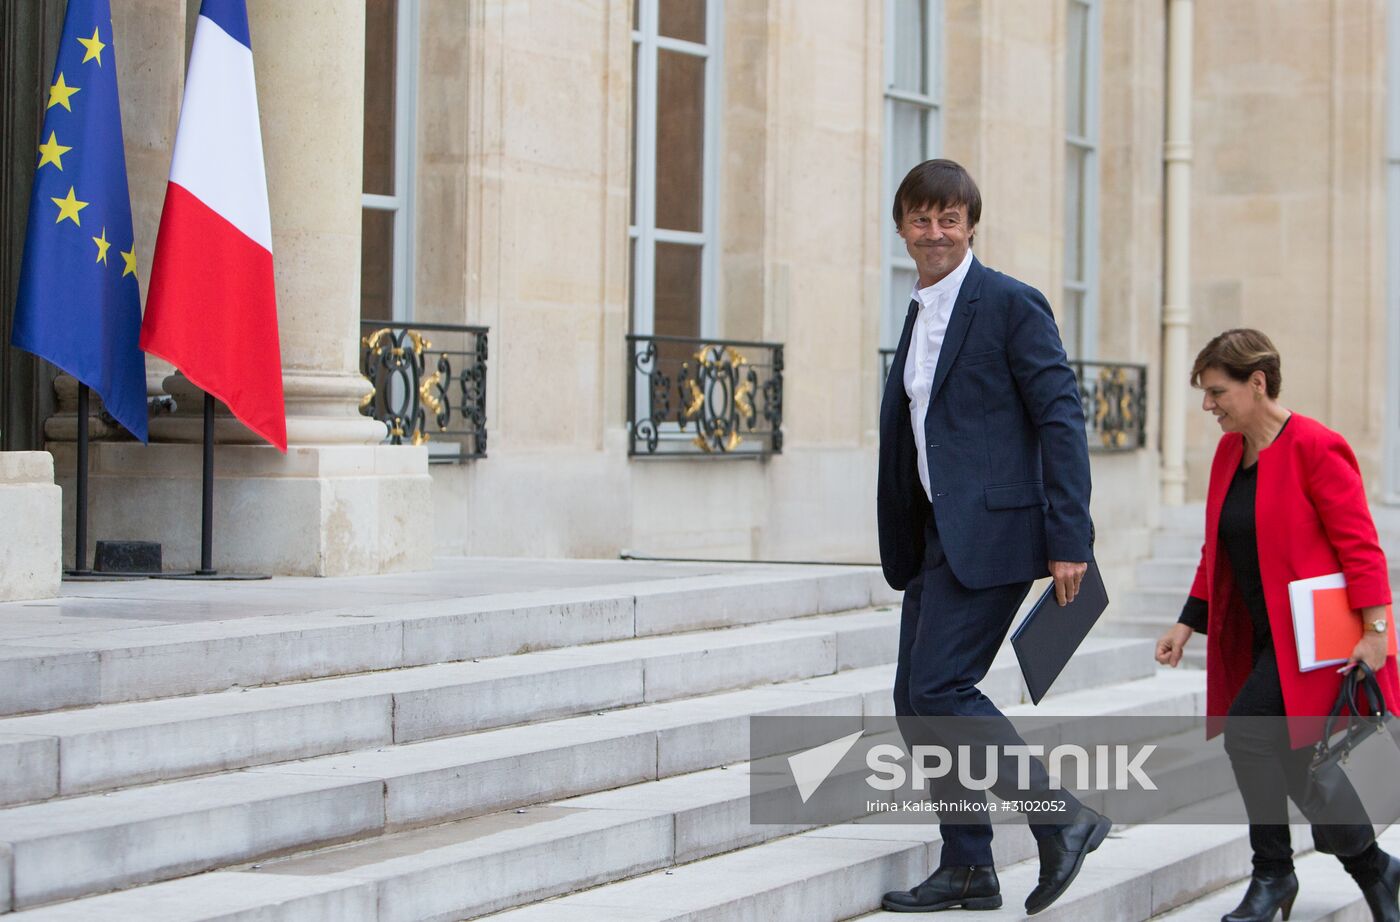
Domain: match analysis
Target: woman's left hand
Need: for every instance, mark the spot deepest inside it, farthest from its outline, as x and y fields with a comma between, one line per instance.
x=1370, y=649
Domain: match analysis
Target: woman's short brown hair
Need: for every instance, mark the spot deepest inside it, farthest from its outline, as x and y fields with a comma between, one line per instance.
x=1240, y=353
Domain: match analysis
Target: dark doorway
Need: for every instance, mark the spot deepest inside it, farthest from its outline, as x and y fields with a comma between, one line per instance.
x=29, y=34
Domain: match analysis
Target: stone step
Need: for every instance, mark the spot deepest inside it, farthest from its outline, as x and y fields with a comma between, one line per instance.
x=1187, y=517
x=80, y=668
x=222, y=896
x=1181, y=532
x=826, y=874
x=840, y=872
x=476, y=866
x=1163, y=604
x=1169, y=573
x=1326, y=893
x=71, y=848
x=1180, y=545
x=1177, y=573
x=1141, y=626
x=109, y=746
x=467, y=869
x=480, y=866
x=395, y=788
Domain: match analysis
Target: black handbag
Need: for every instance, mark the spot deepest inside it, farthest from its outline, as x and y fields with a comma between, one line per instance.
x=1354, y=778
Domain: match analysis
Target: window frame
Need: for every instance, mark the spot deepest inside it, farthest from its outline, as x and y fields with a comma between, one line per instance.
x=1087, y=285
x=401, y=202
x=1392, y=258
x=892, y=302
x=643, y=236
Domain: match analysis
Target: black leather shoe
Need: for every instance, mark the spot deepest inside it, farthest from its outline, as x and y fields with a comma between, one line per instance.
x=1265, y=896
x=949, y=888
x=1384, y=895
x=1062, y=854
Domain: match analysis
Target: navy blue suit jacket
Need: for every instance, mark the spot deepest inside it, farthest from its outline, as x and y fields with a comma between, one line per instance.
x=1007, y=452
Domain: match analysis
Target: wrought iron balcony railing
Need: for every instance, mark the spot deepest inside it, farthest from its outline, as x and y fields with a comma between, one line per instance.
x=429, y=385
x=1114, y=395
x=704, y=397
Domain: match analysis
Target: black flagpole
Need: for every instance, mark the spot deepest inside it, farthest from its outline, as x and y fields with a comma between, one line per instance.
x=206, y=536
x=81, y=572
x=80, y=567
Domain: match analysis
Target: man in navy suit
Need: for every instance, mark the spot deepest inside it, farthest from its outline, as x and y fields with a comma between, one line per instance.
x=983, y=487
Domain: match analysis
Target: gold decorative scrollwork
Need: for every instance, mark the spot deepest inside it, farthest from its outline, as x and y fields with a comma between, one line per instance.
x=742, y=398
x=371, y=341
x=1113, y=407
x=694, y=403
x=426, y=389
x=717, y=367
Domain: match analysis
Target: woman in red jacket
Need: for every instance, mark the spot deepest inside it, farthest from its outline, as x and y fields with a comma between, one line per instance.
x=1285, y=502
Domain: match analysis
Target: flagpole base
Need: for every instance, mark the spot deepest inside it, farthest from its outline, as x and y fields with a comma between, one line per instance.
x=213, y=575
x=97, y=576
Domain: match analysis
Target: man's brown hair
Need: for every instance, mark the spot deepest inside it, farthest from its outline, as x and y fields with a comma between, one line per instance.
x=938, y=182
x=1240, y=353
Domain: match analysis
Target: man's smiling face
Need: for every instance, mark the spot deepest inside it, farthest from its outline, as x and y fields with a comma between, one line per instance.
x=937, y=238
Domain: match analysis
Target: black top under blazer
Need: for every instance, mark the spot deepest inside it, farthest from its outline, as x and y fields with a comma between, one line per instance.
x=1008, y=456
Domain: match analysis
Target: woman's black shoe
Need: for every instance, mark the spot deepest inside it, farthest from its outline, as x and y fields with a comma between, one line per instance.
x=1266, y=896
x=1384, y=895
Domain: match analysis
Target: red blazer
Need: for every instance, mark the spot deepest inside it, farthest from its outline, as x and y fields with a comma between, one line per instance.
x=1312, y=519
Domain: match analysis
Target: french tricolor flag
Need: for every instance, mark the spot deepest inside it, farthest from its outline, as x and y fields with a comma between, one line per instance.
x=212, y=309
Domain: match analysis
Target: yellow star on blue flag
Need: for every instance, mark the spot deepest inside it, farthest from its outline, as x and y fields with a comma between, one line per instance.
x=77, y=308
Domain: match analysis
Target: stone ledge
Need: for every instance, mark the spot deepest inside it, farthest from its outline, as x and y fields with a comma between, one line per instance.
x=26, y=467
x=31, y=544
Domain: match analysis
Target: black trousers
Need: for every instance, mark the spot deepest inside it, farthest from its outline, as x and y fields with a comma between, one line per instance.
x=949, y=635
x=1268, y=771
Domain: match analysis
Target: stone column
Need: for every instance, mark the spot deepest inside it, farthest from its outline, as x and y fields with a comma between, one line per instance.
x=1176, y=290
x=309, y=59
x=338, y=502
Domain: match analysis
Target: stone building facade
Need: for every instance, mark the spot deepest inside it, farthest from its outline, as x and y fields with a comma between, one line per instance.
x=566, y=173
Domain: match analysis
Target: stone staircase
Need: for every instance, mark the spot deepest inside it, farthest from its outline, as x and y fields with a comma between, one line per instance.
x=571, y=754
x=458, y=757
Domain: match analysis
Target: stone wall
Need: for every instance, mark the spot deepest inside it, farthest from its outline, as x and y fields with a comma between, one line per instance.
x=1288, y=197
x=522, y=194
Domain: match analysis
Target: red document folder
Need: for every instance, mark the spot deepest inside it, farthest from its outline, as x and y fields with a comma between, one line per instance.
x=1337, y=627
x=1325, y=625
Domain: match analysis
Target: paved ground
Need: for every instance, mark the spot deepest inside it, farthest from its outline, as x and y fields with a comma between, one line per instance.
x=101, y=606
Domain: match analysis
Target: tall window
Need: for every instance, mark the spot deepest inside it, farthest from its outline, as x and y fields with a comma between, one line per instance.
x=912, y=110
x=1079, y=314
x=386, y=247
x=1392, y=249
x=675, y=107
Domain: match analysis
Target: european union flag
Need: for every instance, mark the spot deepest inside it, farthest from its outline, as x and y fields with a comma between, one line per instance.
x=79, y=302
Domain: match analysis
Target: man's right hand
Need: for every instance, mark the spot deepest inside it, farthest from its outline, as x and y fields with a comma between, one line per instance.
x=1172, y=644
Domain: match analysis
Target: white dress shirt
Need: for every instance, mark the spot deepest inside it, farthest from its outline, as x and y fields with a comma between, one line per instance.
x=935, y=308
